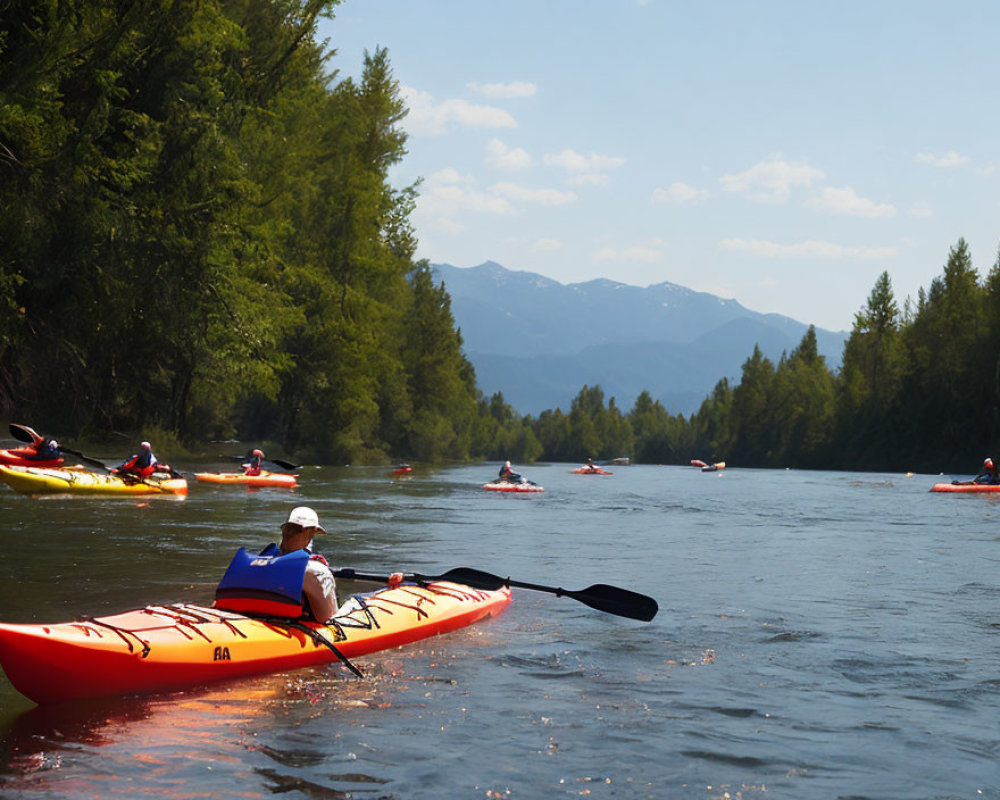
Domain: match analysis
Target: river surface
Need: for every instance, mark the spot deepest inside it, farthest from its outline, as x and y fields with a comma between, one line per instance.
x=820, y=635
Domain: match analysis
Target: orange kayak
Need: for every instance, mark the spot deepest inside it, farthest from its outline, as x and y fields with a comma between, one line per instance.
x=589, y=471
x=163, y=648
x=279, y=479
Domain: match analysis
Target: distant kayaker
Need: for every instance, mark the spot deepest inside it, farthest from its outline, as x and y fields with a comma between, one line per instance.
x=989, y=474
x=508, y=475
x=254, y=466
x=140, y=465
x=590, y=465
x=46, y=449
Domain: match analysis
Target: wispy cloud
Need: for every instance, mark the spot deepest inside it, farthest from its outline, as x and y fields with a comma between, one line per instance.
x=771, y=181
x=448, y=193
x=502, y=157
x=949, y=159
x=680, y=194
x=573, y=161
x=641, y=253
x=845, y=202
x=430, y=118
x=504, y=91
x=547, y=245
x=920, y=210
x=807, y=249
x=541, y=197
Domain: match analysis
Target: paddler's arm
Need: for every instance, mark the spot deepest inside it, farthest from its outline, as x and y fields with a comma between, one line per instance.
x=320, y=589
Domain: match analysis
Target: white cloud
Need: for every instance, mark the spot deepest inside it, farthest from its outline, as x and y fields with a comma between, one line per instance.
x=450, y=175
x=845, y=202
x=808, y=249
x=920, y=210
x=502, y=157
x=446, y=225
x=448, y=194
x=680, y=194
x=771, y=181
x=541, y=197
x=646, y=255
x=577, y=162
x=430, y=118
x=949, y=159
x=505, y=91
x=589, y=179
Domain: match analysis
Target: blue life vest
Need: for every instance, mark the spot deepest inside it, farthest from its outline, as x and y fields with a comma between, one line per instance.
x=268, y=583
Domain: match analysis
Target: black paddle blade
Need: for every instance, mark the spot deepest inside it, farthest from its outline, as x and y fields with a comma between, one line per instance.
x=470, y=577
x=614, y=600
x=283, y=464
x=22, y=433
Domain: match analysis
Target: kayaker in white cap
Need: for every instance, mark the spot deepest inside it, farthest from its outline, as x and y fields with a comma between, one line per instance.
x=266, y=583
x=318, y=585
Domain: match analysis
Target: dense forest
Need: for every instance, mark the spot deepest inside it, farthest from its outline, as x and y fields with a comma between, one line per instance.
x=919, y=389
x=199, y=240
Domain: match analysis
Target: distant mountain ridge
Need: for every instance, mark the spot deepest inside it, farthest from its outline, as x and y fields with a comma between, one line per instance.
x=540, y=341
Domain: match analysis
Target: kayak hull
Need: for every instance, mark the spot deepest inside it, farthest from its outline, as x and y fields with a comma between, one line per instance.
x=269, y=479
x=19, y=457
x=33, y=480
x=517, y=488
x=966, y=487
x=586, y=471
x=164, y=648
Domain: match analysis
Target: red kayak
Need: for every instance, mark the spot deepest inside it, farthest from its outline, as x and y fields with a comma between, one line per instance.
x=966, y=487
x=20, y=457
x=590, y=471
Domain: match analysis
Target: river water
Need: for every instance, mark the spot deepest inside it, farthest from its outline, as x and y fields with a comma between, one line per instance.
x=820, y=635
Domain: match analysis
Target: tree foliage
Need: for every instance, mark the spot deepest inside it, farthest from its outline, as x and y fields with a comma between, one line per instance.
x=200, y=235
x=919, y=388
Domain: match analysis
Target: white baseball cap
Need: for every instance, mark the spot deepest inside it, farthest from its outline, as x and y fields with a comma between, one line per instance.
x=306, y=517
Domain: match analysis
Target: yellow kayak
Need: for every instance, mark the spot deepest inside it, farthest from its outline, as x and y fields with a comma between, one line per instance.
x=33, y=480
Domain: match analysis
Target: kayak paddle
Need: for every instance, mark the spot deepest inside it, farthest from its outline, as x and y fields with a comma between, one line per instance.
x=276, y=461
x=601, y=596
x=93, y=462
x=23, y=433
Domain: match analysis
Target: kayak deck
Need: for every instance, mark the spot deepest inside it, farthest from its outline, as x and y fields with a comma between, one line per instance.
x=162, y=648
x=33, y=480
x=270, y=479
x=506, y=486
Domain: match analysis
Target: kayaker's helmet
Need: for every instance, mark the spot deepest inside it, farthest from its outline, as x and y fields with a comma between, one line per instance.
x=258, y=453
x=988, y=463
x=145, y=445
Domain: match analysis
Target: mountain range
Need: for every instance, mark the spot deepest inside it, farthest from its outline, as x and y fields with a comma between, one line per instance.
x=540, y=341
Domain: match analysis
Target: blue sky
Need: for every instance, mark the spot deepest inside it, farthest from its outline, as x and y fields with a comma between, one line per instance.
x=780, y=153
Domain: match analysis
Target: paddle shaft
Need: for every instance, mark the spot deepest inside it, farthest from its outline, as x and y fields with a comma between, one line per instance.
x=600, y=596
